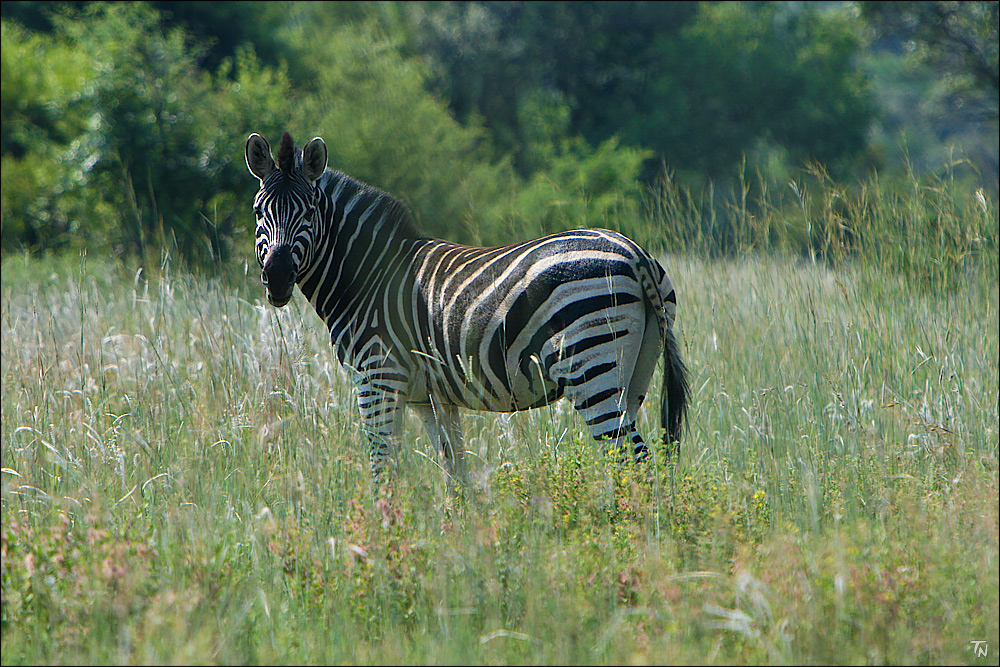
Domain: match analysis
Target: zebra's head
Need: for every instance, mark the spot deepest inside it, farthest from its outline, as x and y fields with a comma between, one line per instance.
x=286, y=210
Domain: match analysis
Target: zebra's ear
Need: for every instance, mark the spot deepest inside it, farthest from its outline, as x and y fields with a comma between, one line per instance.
x=314, y=159
x=259, y=160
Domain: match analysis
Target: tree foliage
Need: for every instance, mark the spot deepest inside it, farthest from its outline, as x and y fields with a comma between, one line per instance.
x=958, y=38
x=147, y=146
x=124, y=123
x=155, y=138
x=44, y=112
x=699, y=85
x=937, y=67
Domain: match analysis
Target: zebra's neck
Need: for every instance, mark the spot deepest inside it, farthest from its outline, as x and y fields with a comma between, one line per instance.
x=359, y=253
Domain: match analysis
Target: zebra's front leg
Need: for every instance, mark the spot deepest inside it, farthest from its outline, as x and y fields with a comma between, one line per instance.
x=382, y=399
x=444, y=428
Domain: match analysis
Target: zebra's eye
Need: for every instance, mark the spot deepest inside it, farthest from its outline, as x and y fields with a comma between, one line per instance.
x=257, y=212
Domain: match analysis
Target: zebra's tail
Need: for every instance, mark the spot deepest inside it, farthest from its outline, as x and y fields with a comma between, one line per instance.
x=674, y=401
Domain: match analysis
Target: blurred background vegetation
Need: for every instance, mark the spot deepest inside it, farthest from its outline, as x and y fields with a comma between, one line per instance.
x=703, y=127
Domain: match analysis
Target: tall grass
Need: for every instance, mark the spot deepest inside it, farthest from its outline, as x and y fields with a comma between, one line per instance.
x=184, y=478
x=932, y=230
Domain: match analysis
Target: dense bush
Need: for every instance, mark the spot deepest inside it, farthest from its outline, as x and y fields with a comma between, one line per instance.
x=148, y=145
x=135, y=148
x=45, y=111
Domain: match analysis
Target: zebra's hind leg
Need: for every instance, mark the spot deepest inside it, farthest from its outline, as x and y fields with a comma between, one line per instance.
x=638, y=383
x=604, y=401
x=608, y=419
x=627, y=441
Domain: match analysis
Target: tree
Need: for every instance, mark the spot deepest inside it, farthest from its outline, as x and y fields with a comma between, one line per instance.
x=115, y=137
x=222, y=28
x=45, y=110
x=937, y=69
x=699, y=84
x=739, y=76
x=496, y=60
x=957, y=38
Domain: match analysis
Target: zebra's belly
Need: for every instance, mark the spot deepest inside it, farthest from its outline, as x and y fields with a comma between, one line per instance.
x=466, y=388
x=593, y=354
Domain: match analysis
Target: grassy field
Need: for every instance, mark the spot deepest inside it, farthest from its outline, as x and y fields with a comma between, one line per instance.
x=184, y=480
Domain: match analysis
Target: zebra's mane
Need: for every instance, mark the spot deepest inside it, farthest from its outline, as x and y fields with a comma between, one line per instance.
x=398, y=214
x=287, y=154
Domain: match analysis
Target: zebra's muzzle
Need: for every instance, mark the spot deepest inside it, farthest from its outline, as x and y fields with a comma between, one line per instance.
x=278, y=275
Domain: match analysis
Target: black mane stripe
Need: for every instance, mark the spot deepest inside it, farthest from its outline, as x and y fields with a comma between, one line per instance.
x=286, y=154
x=399, y=215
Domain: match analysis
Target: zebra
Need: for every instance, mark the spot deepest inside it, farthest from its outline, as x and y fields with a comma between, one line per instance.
x=439, y=326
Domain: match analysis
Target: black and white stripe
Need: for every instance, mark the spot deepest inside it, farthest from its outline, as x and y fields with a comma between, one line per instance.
x=439, y=326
